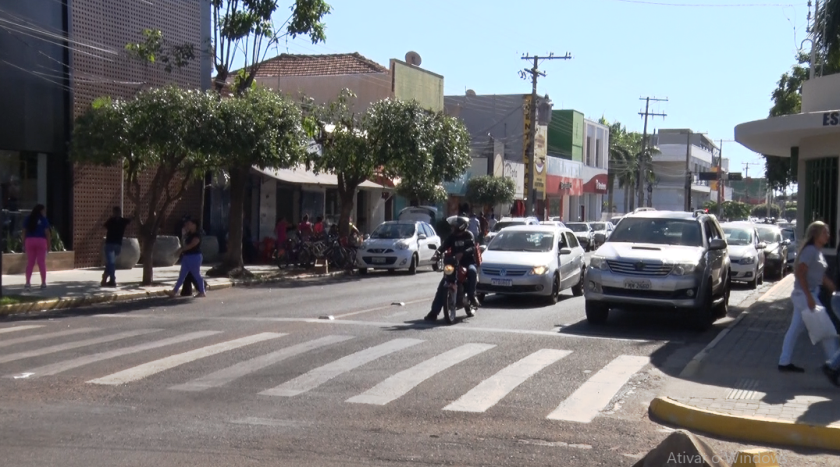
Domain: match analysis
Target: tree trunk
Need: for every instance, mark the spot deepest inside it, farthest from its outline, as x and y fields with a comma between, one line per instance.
x=610, y=183
x=632, y=197
x=147, y=250
x=626, y=199
x=233, y=266
x=348, y=202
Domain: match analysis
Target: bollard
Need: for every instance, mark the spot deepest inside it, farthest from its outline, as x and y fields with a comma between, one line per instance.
x=756, y=458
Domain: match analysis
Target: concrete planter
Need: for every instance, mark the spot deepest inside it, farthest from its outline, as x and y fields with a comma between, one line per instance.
x=129, y=253
x=165, y=248
x=15, y=263
x=210, y=248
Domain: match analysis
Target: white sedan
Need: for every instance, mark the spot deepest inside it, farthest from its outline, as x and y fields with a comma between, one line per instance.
x=746, y=253
x=532, y=260
x=399, y=245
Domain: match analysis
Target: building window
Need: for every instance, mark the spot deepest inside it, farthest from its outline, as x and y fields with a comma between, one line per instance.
x=589, y=150
x=598, y=153
x=821, y=195
x=23, y=179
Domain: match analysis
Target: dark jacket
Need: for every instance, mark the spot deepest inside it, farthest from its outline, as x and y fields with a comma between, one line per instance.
x=461, y=242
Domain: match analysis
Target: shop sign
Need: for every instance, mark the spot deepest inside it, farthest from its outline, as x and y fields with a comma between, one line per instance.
x=831, y=118
x=540, y=166
x=516, y=171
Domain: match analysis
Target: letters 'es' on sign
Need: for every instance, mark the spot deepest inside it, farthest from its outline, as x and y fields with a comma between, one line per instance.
x=831, y=119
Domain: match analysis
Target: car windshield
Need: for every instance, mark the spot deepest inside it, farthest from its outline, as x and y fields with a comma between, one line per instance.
x=501, y=225
x=578, y=227
x=394, y=231
x=599, y=226
x=769, y=235
x=522, y=241
x=788, y=234
x=735, y=236
x=658, y=231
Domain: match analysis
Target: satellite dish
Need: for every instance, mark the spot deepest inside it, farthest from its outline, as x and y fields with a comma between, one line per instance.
x=470, y=92
x=413, y=58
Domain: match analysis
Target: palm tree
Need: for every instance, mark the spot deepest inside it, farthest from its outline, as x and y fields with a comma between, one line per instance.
x=623, y=164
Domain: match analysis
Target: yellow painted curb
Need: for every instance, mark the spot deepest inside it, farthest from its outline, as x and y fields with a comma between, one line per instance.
x=744, y=428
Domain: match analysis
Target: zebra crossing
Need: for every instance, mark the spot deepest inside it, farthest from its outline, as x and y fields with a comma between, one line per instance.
x=582, y=406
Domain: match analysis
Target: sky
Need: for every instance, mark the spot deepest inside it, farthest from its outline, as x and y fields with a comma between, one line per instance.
x=716, y=61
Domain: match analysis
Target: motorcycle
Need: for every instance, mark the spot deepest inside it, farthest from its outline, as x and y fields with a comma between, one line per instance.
x=455, y=280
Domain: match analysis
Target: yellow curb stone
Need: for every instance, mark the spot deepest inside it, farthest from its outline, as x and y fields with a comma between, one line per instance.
x=756, y=458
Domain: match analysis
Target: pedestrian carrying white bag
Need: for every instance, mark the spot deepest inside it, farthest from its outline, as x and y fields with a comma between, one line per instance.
x=819, y=324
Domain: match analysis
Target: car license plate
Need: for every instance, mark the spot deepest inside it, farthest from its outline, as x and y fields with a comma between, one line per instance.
x=502, y=282
x=378, y=260
x=635, y=284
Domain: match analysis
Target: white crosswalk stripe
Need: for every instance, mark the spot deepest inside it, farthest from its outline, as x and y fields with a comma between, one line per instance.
x=490, y=391
x=225, y=376
x=319, y=376
x=74, y=345
x=60, y=367
x=49, y=335
x=591, y=397
x=20, y=328
x=147, y=369
x=398, y=385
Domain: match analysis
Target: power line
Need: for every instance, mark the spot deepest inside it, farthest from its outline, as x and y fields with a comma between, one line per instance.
x=710, y=5
x=642, y=169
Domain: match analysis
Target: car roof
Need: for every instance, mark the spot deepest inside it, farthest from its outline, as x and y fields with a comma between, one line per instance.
x=534, y=228
x=403, y=222
x=665, y=215
x=576, y=222
x=517, y=219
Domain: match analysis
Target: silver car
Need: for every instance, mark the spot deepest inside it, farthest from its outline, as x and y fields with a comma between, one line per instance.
x=584, y=233
x=532, y=260
x=667, y=259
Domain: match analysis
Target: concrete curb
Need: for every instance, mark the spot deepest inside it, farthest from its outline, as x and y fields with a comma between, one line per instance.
x=694, y=365
x=53, y=304
x=743, y=428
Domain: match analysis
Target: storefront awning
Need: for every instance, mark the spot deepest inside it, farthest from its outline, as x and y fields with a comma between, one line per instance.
x=301, y=176
x=775, y=136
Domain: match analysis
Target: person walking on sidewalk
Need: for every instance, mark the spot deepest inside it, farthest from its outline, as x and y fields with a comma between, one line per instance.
x=37, y=236
x=191, y=259
x=809, y=270
x=115, y=230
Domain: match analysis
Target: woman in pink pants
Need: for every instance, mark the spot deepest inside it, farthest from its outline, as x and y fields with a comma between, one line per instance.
x=36, y=242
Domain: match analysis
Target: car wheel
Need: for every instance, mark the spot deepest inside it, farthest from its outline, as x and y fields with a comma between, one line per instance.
x=412, y=268
x=555, y=291
x=753, y=284
x=722, y=309
x=438, y=266
x=577, y=290
x=760, y=277
x=597, y=313
x=701, y=316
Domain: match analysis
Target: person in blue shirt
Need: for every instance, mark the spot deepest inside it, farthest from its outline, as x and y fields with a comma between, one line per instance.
x=36, y=235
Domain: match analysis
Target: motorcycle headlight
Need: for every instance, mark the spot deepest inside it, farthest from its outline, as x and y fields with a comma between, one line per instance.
x=748, y=260
x=684, y=269
x=402, y=245
x=448, y=269
x=598, y=262
x=539, y=270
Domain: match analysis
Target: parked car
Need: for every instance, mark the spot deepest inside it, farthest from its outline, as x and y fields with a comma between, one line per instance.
x=789, y=234
x=554, y=223
x=666, y=259
x=510, y=222
x=532, y=260
x=584, y=233
x=746, y=252
x=776, y=252
x=601, y=232
x=399, y=245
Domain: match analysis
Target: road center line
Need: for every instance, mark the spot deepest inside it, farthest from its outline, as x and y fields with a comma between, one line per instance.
x=593, y=395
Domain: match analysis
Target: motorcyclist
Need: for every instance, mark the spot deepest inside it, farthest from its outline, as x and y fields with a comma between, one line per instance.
x=462, y=244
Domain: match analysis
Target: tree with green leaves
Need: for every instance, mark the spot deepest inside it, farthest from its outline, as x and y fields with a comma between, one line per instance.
x=625, y=152
x=419, y=192
x=488, y=190
x=763, y=210
x=243, y=33
x=393, y=138
x=732, y=210
x=165, y=132
x=260, y=128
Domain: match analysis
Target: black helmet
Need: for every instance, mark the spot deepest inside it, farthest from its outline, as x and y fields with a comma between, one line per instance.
x=458, y=223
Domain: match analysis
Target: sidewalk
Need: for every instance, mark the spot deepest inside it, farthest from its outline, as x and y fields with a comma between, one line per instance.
x=733, y=388
x=80, y=287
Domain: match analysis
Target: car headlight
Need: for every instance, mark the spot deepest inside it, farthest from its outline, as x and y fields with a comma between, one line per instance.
x=448, y=269
x=684, y=269
x=747, y=260
x=402, y=245
x=598, y=262
x=539, y=270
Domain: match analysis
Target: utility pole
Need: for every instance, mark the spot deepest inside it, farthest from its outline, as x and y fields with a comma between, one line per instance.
x=720, y=188
x=640, y=190
x=747, y=167
x=535, y=73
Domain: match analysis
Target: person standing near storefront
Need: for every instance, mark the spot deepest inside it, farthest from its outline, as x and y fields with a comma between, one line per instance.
x=36, y=235
x=115, y=231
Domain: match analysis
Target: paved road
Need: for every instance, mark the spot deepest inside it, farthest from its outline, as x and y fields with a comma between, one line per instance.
x=250, y=376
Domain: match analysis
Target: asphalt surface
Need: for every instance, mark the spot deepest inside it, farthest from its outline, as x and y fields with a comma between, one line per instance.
x=254, y=376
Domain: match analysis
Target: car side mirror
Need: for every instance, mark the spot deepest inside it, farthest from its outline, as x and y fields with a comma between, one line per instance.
x=367, y=236
x=422, y=236
x=717, y=244
x=787, y=241
x=762, y=246
x=482, y=248
x=565, y=251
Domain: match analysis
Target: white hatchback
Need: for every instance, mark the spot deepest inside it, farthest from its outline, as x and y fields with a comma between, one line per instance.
x=399, y=245
x=532, y=260
x=746, y=252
